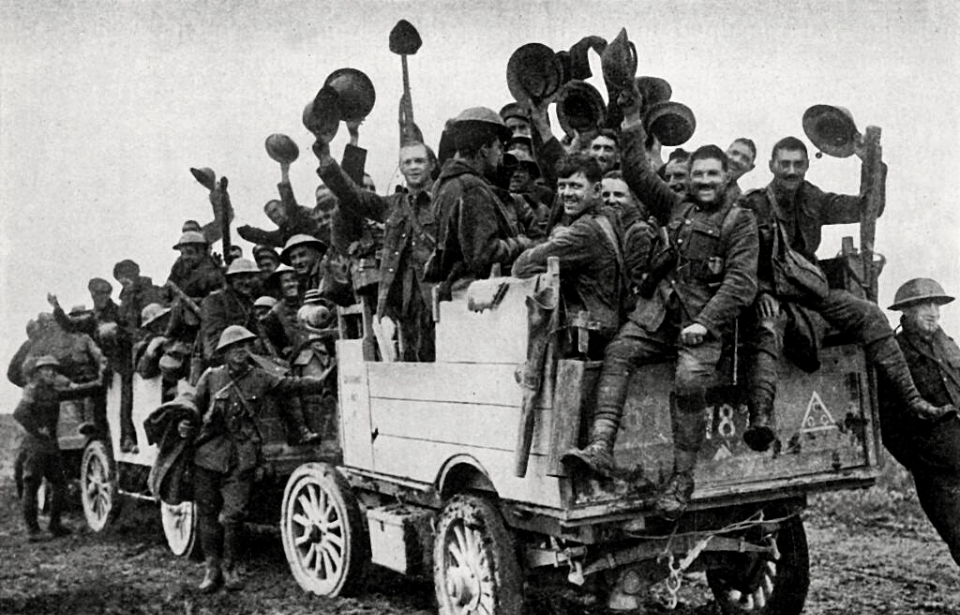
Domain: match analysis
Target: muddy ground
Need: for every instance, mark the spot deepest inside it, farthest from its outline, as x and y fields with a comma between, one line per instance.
x=871, y=552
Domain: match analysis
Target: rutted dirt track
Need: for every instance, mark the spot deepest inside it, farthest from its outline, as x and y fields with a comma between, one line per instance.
x=871, y=552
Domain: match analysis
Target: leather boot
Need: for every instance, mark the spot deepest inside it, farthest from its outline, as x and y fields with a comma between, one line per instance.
x=29, y=510
x=57, y=500
x=759, y=435
x=597, y=455
x=231, y=577
x=676, y=495
x=887, y=358
x=213, y=577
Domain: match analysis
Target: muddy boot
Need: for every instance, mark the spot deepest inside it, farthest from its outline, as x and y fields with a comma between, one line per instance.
x=689, y=430
x=759, y=435
x=57, y=500
x=307, y=436
x=232, y=581
x=231, y=577
x=28, y=506
x=675, y=497
x=887, y=358
x=213, y=577
x=597, y=455
x=129, y=445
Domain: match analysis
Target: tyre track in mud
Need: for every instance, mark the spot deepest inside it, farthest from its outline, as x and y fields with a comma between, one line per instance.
x=882, y=564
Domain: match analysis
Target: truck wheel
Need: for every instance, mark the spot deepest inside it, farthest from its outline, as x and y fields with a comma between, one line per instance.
x=762, y=584
x=98, y=486
x=180, y=527
x=475, y=566
x=324, y=538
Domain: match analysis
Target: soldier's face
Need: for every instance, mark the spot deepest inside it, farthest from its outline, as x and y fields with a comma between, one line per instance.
x=275, y=211
x=605, y=151
x=520, y=180
x=191, y=253
x=789, y=168
x=236, y=356
x=616, y=193
x=415, y=165
x=923, y=318
x=302, y=259
x=518, y=126
x=707, y=180
x=368, y=183
x=289, y=288
x=267, y=264
x=245, y=284
x=677, y=176
x=740, y=159
x=100, y=297
x=491, y=156
x=577, y=193
x=47, y=374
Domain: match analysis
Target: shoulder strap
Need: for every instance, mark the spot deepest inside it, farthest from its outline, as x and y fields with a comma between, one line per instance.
x=607, y=229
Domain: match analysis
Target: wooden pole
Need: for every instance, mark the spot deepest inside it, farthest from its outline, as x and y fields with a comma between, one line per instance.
x=874, y=184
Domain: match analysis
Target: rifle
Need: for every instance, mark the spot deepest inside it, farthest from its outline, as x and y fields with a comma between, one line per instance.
x=183, y=297
x=225, y=219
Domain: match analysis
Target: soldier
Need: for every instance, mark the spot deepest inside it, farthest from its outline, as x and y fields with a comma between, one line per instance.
x=266, y=258
x=588, y=247
x=676, y=172
x=476, y=231
x=742, y=155
x=304, y=253
x=690, y=310
x=638, y=231
x=409, y=239
x=38, y=412
x=280, y=325
x=195, y=272
x=104, y=311
x=516, y=120
x=605, y=149
x=136, y=292
x=928, y=446
x=790, y=214
x=231, y=306
x=263, y=305
x=228, y=449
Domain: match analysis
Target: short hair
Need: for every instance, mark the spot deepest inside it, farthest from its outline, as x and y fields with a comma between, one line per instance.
x=749, y=143
x=609, y=133
x=469, y=136
x=614, y=174
x=791, y=144
x=571, y=164
x=710, y=152
x=126, y=269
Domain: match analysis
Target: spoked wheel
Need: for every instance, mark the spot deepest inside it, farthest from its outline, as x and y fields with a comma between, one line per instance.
x=324, y=537
x=765, y=584
x=475, y=566
x=180, y=527
x=98, y=486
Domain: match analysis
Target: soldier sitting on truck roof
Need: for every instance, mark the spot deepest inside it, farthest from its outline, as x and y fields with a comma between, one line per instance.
x=409, y=240
x=587, y=243
x=790, y=214
x=929, y=447
x=475, y=229
x=688, y=313
x=228, y=451
x=38, y=413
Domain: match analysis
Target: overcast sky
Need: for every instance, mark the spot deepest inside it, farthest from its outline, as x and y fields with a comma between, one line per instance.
x=105, y=105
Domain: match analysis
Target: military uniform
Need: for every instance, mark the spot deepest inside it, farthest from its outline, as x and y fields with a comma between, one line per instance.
x=218, y=311
x=711, y=280
x=929, y=449
x=410, y=232
x=299, y=220
x=476, y=229
x=199, y=281
x=38, y=413
x=228, y=449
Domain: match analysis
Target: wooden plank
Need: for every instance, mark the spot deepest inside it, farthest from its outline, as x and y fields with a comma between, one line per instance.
x=570, y=397
x=146, y=398
x=497, y=335
x=355, y=431
x=423, y=461
x=474, y=425
x=492, y=384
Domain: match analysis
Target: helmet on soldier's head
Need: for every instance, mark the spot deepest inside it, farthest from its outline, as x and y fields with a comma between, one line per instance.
x=301, y=239
x=265, y=302
x=152, y=312
x=919, y=290
x=482, y=116
x=99, y=285
x=240, y=266
x=234, y=334
x=190, y=237
x=47, y=361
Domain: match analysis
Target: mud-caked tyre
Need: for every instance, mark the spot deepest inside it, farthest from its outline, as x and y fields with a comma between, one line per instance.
x=475, y=564
x=763, y=584
x=324, y=534
x=99, y=492
x=180, y=528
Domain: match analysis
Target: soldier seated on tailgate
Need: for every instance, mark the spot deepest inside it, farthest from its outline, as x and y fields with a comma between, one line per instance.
x=587, y=243
x=233, y=305
x=639, y=229
x=229, y=448
x=38, y=413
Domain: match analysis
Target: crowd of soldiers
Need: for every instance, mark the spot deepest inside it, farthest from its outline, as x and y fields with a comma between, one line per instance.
x=658, y=261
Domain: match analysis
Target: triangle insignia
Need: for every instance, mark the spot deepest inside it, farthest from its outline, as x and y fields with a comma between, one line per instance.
x=722, y=453
x=817, y=417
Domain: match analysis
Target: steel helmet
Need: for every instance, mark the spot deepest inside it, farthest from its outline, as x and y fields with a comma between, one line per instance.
x=265, y=301
x=234, y=334
x=300, y=240
x=275, y=276
x=482, y=116
x=282, y=148
x=242, y=265
x=919, y=290
x=190, y=237
x=47, y=360
x=152, y=312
